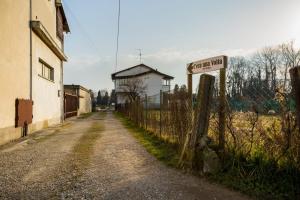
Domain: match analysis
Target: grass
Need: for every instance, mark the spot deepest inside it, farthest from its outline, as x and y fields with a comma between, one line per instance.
x=84, y=148
x=256, y=177
x=259, y=178
x=162, y=150
x=82, y=152
x=85, y=115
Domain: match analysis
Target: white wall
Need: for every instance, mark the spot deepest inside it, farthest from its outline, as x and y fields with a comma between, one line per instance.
x=153, y=83
x=47, y=103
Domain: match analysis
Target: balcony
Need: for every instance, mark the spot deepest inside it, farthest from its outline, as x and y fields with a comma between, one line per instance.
x=166, y=88
x=44, y=35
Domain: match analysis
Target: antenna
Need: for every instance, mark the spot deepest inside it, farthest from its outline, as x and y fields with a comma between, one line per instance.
x=140, y=55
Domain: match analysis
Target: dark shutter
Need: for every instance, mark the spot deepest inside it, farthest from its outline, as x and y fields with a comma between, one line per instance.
x=59, y=24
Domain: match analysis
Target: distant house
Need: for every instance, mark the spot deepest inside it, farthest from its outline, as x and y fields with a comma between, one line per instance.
x=31, y=66
x=84, y=99
x=152, y=80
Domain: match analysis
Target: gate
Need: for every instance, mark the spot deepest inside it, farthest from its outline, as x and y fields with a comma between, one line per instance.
x=71, y=105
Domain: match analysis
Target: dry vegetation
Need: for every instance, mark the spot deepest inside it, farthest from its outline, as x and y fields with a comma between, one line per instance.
x=262, y=141
x=262, y=150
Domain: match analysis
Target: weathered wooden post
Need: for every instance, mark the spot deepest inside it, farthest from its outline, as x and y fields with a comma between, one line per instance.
x=196, y=141
x=137, y=111
x=222, y=107
x=160, y=111
x=190, y=86
x=295, y=78
x=146, y=110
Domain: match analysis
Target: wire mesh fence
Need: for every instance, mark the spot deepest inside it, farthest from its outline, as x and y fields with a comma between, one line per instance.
x=259, y=119
x=167, y=115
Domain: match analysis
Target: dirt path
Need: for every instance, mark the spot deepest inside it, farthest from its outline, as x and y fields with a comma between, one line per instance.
x=94, y=158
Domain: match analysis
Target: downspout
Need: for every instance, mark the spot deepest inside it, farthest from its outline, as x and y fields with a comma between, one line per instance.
x=30, y=15
x=62, y=95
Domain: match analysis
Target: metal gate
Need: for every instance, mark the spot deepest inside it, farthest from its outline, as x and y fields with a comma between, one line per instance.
x=71, y=105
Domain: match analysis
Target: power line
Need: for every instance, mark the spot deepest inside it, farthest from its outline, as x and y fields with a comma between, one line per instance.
x=82, y=29
x=118, y=35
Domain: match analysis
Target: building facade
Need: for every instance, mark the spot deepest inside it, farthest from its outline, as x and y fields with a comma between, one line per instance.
x=31, y=63
x=146, y=81
x=83, y=95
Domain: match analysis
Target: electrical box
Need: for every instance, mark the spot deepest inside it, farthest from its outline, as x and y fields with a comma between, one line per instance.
x=24, y=112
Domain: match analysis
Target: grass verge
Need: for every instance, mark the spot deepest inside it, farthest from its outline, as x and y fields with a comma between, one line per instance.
x=256, y=178
x=162, y=150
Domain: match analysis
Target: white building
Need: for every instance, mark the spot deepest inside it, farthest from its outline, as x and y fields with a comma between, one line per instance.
x=151, y=80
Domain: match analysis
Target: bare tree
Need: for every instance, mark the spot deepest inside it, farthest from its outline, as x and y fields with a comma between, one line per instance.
x=134, y=88
x=290, y=58
x=236, y=75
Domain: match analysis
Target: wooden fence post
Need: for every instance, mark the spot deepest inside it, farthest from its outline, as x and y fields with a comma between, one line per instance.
x=222, y=106
x=190, y=86
x=160, y=111
x=196, y=141
x=137, y=111
x=146, y=102
x=295, y=79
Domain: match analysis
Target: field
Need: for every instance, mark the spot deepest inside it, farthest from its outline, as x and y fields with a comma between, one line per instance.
x=262, y=152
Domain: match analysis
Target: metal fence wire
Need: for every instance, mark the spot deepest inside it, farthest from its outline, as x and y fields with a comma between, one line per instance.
x=168, y=115
x=258, y=120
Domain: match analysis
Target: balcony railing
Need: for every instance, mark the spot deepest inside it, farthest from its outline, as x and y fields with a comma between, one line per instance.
x=166, y=88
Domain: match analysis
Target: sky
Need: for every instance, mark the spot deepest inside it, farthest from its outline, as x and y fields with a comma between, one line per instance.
x=171, y=33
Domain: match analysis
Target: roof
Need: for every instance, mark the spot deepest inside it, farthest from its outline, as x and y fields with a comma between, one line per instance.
x=76, y=87
x=150, y=70
x=66, y=27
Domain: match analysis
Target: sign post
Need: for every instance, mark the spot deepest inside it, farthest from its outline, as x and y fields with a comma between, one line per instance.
x=190, y=86
x=208, y=65
x=222, y=107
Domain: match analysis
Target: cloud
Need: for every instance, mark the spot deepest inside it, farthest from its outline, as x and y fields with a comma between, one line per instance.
x=175, y=55
x=86, y=61
x=94, y=71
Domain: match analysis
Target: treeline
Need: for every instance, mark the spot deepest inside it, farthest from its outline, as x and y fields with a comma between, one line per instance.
x=254, y=81
x=267, y=69
x=103, y=98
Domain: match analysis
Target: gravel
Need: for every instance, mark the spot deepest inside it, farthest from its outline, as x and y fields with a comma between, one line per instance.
x=43, y=166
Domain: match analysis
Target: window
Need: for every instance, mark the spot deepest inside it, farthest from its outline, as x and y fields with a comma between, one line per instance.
x=46, y=71
x=122, y=82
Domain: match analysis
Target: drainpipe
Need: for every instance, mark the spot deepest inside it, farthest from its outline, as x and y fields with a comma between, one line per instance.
x=30, y=15
x=62, y=89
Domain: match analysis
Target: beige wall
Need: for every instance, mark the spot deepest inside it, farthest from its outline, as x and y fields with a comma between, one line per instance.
x=14, y=57
x=85, y=102
x=15, y=66
x=45, y=11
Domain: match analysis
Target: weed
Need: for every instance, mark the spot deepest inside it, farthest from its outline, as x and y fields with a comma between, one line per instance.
x=162, y=150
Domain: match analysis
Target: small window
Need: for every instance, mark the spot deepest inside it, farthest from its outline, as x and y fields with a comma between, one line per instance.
x=46, y=71
x=123, y=82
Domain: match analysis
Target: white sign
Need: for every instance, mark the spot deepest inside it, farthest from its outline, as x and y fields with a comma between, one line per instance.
x=206, y=65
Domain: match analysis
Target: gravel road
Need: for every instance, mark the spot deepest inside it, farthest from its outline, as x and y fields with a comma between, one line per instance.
x=94, y=158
